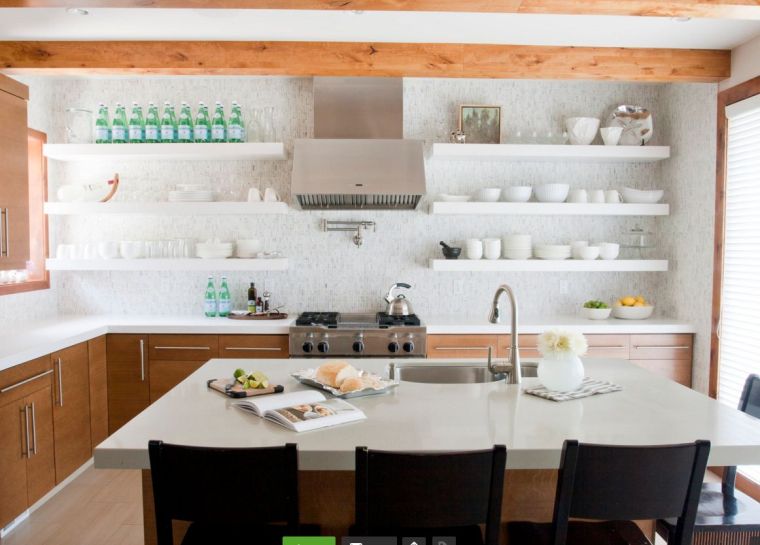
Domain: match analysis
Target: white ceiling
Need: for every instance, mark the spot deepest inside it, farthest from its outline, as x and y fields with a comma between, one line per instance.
x=525, y=29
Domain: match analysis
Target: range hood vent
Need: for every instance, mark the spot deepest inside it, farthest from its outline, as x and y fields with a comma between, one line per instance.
x=358, y=158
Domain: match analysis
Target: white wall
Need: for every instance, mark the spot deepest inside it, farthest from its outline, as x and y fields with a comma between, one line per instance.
x=745, y=64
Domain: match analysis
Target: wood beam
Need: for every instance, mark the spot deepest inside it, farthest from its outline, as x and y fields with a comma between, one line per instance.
x=716, y=9
x=365, y=59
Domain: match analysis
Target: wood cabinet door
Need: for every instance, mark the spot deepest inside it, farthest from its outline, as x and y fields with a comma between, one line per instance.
x=676, y=370
x=165, y=375
x=13, y=448
x=662, y=347
x=253, y=346
x=128, y=368
x=41, y=464
x=14, y=176
x=71, y=410
x=461, y=346
x=528, y=344
x=608, y=346
x=183, y=347
x=96, y=349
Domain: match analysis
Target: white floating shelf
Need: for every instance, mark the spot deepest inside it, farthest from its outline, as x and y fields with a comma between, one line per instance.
x=242, y=151
x=548, y=209
x=165, y=208
x=538, y=265
x=540, y=152
x=167, y=264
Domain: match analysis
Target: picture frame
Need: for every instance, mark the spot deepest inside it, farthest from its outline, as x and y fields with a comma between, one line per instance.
x=480, y=123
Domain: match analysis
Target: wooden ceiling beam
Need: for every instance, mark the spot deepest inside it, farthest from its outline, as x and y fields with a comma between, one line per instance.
x=715, y=9
x=365, y=59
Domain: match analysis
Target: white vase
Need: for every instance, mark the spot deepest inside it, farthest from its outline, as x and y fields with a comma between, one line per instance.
x=561, y=373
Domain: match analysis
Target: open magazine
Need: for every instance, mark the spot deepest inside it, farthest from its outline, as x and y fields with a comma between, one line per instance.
x=302, y=411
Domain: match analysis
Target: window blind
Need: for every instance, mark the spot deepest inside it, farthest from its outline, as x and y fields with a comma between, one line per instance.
x=740, y=311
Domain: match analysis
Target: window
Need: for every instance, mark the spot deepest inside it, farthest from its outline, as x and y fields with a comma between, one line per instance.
x=37, y=277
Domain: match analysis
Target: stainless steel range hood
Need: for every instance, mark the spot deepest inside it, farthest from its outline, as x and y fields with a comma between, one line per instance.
x=358, y=158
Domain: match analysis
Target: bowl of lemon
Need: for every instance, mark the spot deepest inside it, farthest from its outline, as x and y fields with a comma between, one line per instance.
x=632, y=308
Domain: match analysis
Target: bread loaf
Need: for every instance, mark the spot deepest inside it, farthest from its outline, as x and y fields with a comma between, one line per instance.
x=352, y=384
x=335, y=372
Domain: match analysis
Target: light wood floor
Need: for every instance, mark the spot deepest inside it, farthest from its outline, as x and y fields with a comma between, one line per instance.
x=100, y=507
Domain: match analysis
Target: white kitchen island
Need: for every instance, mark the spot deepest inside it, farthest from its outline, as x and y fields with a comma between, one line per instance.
x=440, y=417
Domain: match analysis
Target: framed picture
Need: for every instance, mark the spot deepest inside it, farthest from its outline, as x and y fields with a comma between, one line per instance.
x=481, y=124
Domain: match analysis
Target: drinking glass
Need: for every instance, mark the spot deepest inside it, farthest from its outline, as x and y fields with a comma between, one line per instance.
x=79, y=126
x=267, y=125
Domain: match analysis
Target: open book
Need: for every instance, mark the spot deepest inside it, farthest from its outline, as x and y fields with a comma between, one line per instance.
x=302, y=411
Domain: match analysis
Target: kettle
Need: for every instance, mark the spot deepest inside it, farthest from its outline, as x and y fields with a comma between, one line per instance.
x=398, y=305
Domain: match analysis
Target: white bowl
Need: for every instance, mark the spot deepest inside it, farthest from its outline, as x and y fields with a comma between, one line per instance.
x=248, y=247
x=639, y=196
x=632, y=313
x=582, y=130
x=488, y=194
x=511, y=253
x=609, y=250
x=131, y=249
x=552, y=192
x=587, y=252
x=108, y=250
x=517, y=242
x=214, y=250
x=595, y=313
x=520, y=193
x=454, y=198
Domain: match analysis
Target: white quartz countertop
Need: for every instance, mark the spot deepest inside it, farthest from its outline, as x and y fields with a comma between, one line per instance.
x=444, y=417
x=30, y=340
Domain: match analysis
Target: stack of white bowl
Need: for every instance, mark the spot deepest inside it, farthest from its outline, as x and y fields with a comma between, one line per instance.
x=553, y=251
x=517, y=247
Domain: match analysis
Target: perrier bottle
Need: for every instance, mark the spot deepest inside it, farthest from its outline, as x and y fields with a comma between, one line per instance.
x=119, y=125
x=202, y=129
x=152, y=125
x=185, y=124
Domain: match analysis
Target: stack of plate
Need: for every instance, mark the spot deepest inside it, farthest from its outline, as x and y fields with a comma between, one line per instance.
x=552, y=251
x=191, y=195
x=516, y=246
x=213, y=249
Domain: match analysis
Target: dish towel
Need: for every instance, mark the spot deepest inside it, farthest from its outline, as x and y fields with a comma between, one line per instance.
x=589, y=387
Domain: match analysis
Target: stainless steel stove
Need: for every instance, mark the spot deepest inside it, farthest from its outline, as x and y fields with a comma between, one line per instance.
x=327, y=334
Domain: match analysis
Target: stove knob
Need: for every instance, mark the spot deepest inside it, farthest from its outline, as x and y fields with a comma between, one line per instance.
x=394, y=347
x=323, y=346
x=358, y=346
x=408, y=346
x=308, y=346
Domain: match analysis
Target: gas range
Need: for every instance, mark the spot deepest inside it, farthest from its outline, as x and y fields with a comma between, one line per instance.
x=326, y=334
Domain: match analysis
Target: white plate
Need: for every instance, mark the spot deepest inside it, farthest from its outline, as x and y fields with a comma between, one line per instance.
x=454, y=198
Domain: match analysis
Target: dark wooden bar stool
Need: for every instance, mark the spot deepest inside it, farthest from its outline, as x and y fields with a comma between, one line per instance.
x=231, y=495
x=430, y=494
x=616, y=485
x=726, y=516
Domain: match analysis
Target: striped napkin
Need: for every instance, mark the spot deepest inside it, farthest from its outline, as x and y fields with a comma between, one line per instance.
x=589, y=387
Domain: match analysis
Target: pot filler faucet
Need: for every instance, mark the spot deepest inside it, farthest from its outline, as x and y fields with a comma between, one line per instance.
x=513, y=365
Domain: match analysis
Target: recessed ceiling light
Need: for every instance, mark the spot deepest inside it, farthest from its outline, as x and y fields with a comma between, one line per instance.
x=77, y=11
x=682, y=19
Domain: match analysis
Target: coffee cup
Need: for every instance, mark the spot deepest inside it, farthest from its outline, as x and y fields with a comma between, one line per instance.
x=270, y=195
x=254, y=195
x=612, y=196
x=578, y=195
x=474, y=248
x=596, y=196
x=492, y=248
x=575, y=247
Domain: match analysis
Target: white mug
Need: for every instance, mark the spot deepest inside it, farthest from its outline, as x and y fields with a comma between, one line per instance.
x=254, y=195
x=578, y=195
x=611, y=135
x=474, y=248
x=492, y=248
x=609, y=250
x=575, y=245
x=596, y=196
x=270, y=195
x=612, y=196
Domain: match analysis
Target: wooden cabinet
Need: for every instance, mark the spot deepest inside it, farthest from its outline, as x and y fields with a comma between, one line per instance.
x=14, y=175
x=253, y=346
x=666, y=355
x=71, y=409
x=27, y=464
x=98, y=373
x=528, y=346
x=174, y=357
x=462, y=346
x=608, y=346
x=128, y=388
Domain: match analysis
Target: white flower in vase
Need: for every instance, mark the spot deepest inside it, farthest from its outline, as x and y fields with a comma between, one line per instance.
x=561, y=368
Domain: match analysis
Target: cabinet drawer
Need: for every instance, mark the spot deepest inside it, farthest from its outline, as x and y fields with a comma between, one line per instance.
x=253, y=346
x=528, y=346
x=677, y=370
x=165, y=375
x=21, y=380
x=608, y=346
x=183, y=347
x=662, y=347
x=461, y=346
x=126, y=348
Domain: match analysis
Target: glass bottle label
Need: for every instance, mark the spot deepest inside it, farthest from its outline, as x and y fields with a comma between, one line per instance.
x=118, y=133
x=102, y=133
x=217, y=132
x=151, y=133
x=224, y=306
x=201, y=132
x=209, y=306
x=135, y=132
x=183, y=132
x=235, y=132
x=167, y=132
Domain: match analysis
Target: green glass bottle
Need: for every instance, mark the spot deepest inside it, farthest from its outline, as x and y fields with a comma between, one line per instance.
x=136, y=125
x=119, y=125
x=152, y=125
x=202, y=128
x=218, y=124
x=209, y=299
x=168, y=124
x=235, y=128
x=185, y=124
x=225, y=301
x=102, y=126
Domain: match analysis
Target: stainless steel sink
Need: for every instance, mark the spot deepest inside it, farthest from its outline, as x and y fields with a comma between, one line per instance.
x=456, y=373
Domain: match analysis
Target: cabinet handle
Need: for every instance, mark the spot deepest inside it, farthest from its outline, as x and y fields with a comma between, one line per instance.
x=599, y=346
x=2, y=233
x=254, y=349
x=182, y=347
x=462, y=347
x=60, y=382
x=25, y=381
x=680, y=347
x=142, y=360
x=7, y=234
x=27, y=451
x=34, y=431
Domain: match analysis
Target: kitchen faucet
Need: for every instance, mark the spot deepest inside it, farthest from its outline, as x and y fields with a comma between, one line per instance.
x=515, y=374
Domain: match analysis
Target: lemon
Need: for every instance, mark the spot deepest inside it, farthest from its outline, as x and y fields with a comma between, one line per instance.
x=640, y=299
x=629, y=301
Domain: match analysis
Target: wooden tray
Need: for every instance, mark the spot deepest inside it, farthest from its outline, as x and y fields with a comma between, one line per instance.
x=233, y=388
x=263, y=316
